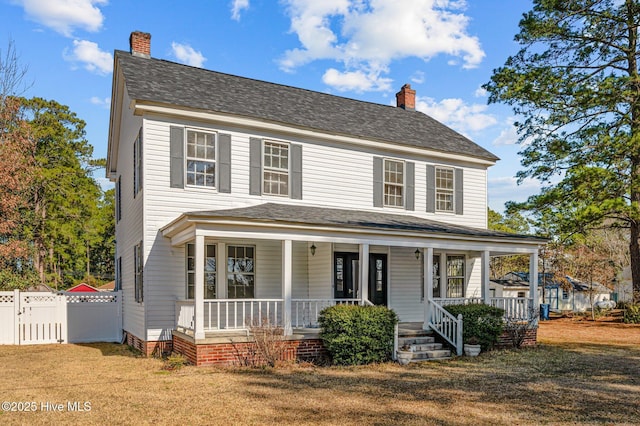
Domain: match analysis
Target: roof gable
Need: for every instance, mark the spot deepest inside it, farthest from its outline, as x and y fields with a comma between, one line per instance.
x=165, y=82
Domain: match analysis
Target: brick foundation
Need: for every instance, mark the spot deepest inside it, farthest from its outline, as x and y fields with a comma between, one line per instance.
x=149, y=348
x=530, y=339
x=241, y=353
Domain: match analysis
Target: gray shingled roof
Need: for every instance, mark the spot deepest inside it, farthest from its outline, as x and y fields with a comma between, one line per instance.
x=321, y=216
x=167, y=82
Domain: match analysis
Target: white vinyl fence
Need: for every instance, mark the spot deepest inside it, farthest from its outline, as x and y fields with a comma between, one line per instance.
x=39, y=317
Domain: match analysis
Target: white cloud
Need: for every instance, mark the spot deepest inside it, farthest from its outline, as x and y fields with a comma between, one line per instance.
x=103, y=102
x=358, y=81
x=480, y=93
x=238, y=6
x=418, y=77
x=187, y=54
x=64, y=16
x=94, y=59
x=366, y=35
x=456, y=113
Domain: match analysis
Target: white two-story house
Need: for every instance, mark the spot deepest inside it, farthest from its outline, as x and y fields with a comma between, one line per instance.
x=241, y=200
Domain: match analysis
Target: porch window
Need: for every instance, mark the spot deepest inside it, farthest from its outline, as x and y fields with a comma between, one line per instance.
x=241, y=272
x=444, y=189
x=455, y=276
x=209, y=271
x=201, y=158
x=393, y=183
x=436, y=277
x=276, y=169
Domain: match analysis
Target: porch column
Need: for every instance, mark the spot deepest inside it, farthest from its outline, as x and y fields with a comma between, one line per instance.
x=198, y=308
x=485, y=269
x=533, y=281
x=287, y=278
x=364, y=272
x=222, y=291
x=427, y=283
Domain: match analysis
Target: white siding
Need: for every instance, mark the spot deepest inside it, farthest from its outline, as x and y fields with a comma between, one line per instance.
x=405, y=282
x=321, y=272
x=129, y=228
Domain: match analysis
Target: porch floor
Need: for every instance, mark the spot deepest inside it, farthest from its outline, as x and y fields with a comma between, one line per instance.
x=240, y=336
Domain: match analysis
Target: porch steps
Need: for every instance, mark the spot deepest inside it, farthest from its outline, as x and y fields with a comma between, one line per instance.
x=422, y=344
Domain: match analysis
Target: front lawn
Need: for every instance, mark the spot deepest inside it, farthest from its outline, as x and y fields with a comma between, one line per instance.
x=582, y=372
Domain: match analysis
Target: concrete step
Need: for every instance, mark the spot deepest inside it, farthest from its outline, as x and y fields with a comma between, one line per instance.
x=431, y=355
x=424, y=340
x=426, y=347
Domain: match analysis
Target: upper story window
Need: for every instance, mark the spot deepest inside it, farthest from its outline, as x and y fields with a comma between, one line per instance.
x=444, y=189
x=201, y=158
x=393, y=183
x=275, y=169
x=137, y=164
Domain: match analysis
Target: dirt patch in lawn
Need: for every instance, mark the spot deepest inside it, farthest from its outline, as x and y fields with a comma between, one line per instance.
x=580, y=373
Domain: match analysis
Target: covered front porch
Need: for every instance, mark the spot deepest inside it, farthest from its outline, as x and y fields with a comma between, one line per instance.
x=244, y=269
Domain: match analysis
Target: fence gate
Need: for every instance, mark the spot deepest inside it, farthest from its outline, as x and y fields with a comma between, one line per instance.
x=42, y=318
x=38, y=317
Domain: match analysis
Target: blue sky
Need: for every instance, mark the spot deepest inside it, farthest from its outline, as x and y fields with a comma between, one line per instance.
x=362, y=49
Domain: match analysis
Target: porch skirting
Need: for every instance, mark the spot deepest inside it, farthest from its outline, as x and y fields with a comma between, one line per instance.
x=238, y=350
x=159, y=347
x=505, y=341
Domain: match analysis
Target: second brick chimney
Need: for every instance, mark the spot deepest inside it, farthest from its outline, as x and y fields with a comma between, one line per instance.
x=140, y=44
x=406, y=98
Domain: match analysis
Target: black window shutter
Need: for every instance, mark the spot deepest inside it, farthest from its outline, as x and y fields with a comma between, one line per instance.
x=255, y=166
x=431, y=188
x=140, y=165
x=176, y=148
x=459, y=195
x=224, y=163
x=296, y=171
x=377, y=182
x=409, y=203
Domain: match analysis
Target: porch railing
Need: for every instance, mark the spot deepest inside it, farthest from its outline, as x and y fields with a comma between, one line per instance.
x=446, y=301
x=238, y=314
x=515, y=308
x=305, y=312
x=445, y=324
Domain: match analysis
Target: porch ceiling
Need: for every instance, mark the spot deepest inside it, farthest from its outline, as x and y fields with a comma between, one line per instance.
x=283, y=216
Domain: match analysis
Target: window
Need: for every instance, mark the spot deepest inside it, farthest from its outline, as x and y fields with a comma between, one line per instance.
x=241, y=272
x=137, y=264
x=275, y=171
x=444, y=189
x=455, y=276
x=201, y=159
x=137, y=164
x=118, y=274
x=119, y=199
x=522, y=294
x=565, y=294
x=209, y=271
x=393, y=183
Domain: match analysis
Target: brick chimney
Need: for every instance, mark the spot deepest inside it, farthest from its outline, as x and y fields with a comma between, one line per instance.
x=406, y=98
x=140, y=44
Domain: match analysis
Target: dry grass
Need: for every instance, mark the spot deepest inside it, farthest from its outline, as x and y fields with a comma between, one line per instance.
x=582, y=372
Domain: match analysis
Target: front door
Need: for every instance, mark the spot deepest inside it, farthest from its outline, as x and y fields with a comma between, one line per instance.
x=346, y=269
x=378, y=279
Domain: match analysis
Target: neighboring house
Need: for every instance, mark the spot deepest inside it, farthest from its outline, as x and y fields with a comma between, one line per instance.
x=110, y=286
x=574, y=295
x=40, y=288
x=240, y=200
x=623, y=286
x=82, y=288
x=561, y=295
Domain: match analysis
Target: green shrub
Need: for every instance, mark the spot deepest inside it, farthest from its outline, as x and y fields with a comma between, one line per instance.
x=356, y=335
x=632, y=314
x=482, y=322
